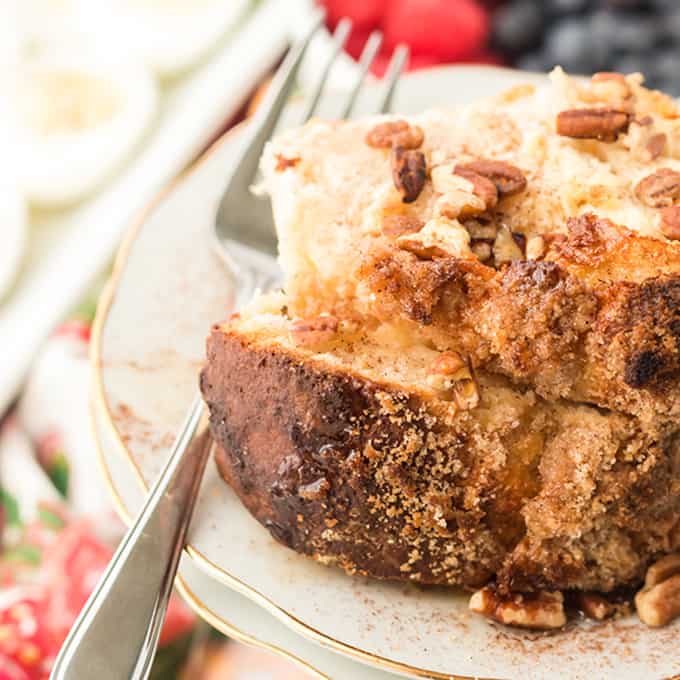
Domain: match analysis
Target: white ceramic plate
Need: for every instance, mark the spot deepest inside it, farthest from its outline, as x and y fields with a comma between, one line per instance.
x=168, y=289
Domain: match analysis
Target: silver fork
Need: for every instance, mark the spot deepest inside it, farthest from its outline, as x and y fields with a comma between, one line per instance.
x=116, y=635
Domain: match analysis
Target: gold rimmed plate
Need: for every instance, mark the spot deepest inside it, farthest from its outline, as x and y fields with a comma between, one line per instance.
x=168, y=288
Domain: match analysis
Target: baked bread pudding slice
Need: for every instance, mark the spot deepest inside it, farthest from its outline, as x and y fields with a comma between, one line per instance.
x=472, y=377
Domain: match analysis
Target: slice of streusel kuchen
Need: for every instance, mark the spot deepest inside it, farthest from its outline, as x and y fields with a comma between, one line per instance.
x=511, y=250
x=473, y=374
x=356, y=444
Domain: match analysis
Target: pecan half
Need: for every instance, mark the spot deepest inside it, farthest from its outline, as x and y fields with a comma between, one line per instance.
x=314, y=331
x=539, y=611
x=481, y=186
x=507, y=178
x=398, y=225
x=670, y=222
x=395, y=133
x=660, y=189
x=604, y=124
x=459, y=198
x=658, y=603
x=409, y=172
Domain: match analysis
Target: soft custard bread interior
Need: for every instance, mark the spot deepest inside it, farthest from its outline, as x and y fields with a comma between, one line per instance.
x=332, y=191
x=592, y=317
x=473, y=372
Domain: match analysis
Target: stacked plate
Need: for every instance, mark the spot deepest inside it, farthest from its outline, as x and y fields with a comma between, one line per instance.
x=148, y=347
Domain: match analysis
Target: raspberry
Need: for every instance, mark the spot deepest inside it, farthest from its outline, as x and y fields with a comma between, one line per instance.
x=450, y=30
x=365, y=14
x=356, y=42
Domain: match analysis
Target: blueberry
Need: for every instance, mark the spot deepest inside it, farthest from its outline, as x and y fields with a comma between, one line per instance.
x=634, y=63
x=671, y=24
x=631, y=63
x=537, y=61
x=567, y=6
x=572, y=44
x=518, y=26
x=627, y=4
x=603, y=30
x=663, y=70
x=635, y=31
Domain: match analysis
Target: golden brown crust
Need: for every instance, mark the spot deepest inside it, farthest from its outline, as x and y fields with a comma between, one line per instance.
x=597, y=250
x=583, y=324
x=382, y=480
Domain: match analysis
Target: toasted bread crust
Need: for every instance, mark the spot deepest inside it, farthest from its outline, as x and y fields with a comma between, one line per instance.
x=569, y=327
x=383, y=481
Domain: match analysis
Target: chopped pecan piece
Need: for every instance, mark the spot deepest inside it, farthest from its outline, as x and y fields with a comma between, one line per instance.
x=539, y=611
x=283, y=163
x=604, y=124
x=398, y=225
x=505, y=247
x=481, y=186
x=606, y=76
x=409, y=172
x=440, y=237
x=507, y=178
x=610, y=88
x=535, y=247
x=655, y=146
x=663, y=569
x=482, y=250
x=451, y=375
x=464, y=194
x=658, y=603
x=466, y=395
x=450, y=364
x=314, y=331
x=594, y=606
x=481, y=227
x=670, y=222
x=661, y=189
x=395, y=133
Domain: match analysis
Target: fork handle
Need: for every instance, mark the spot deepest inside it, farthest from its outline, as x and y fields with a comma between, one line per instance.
x=116, y=635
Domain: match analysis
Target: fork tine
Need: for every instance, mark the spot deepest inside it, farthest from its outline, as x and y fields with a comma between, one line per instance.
x=269, y=112
x=368, y=54
x=397, y=64
x=340, y=36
